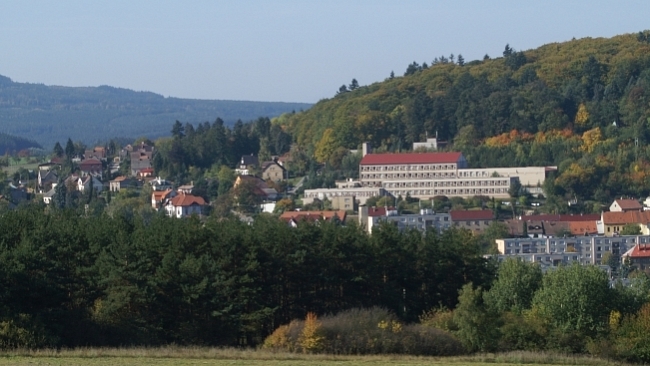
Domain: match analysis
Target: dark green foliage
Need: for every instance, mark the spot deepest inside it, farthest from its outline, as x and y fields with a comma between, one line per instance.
x=12, y=144
x=68, y=279
x=513, y=290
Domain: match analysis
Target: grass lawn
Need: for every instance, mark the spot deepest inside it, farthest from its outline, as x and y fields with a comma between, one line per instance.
x=231, y=357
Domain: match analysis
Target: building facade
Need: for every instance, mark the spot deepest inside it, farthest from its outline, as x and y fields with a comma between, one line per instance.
x=425, y=175
x=556, y=251
x=360, y=194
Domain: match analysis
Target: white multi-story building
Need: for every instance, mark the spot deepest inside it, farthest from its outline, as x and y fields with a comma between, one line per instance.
x=361, y=194
x=426, y=220
x=556, y=251
x=425, y=175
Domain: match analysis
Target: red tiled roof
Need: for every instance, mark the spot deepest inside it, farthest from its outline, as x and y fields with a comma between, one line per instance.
x=187, y=200
x=583, y=227
x=628, y=204
x=569, y=218
x=640, y=251
x=411, y=158
x=378, y=211
x=160, y=195
x=312, y=215
x=471, y=215
x=629, y=217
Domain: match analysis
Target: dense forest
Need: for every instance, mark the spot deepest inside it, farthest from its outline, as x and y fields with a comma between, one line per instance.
x=580, y=105
x=72, y=277
x=122, y=279
x=53, y=113
x=11, y=145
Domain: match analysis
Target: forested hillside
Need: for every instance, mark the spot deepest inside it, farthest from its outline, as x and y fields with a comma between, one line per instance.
x=52, y=113
x=12, y=144
x=531, y=91
x=581, y=105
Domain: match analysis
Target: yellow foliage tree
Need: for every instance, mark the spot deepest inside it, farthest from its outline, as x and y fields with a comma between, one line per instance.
x=582, y=117
x=326, y=146
x=590, y=139
x=311, y=339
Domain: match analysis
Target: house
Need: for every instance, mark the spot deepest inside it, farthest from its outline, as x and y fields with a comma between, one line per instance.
x=47, y=196
x=84, y=183
x=91, y=167
x=141, y=157
x=273, y=171
x=144, y=173
x=159, y=198
x=160, y=184
x=639, y=256
x=121, y=182
x=260, y=188
x=46, y=178
x=614, y=222
x=98, y=152
x=476, y=220
x=184, y=205
x=246, y=164
x=625, y=205
x=583, y=228
x=186, y=188
x=430, y=144
x=293, y=218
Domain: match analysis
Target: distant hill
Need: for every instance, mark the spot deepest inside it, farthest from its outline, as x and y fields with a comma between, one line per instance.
x=12, y=144
x=48, y=114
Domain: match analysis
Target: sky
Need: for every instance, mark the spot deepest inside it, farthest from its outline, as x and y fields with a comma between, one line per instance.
x=280, y=50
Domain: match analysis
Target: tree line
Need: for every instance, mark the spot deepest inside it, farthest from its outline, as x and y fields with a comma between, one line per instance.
x=78, y=278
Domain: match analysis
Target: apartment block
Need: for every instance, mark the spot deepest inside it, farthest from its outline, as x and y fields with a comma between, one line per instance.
x=425, y=175
x=556, y=251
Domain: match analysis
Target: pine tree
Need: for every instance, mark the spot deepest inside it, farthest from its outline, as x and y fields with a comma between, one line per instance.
x=460, y=60
x=354, y=84
x=58, y=150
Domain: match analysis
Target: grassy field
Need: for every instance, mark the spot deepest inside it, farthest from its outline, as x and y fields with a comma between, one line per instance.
x=232, y=357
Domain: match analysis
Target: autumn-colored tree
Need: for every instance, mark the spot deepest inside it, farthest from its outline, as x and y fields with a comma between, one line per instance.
x=582, y=117
x=326, y=146
x=311, y=339
x=590, y=139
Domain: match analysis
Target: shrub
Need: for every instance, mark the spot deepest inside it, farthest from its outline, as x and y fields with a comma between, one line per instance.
x=22, y=333
x=440, y=318
x=633, y=336
x=362, y=331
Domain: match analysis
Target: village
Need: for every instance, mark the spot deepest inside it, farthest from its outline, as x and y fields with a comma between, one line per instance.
x=411, y=190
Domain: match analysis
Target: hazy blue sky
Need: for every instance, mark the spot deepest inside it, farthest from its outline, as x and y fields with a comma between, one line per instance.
x=281, y=50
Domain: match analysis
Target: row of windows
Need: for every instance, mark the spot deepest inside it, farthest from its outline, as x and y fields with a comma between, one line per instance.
x=366, y=176
x=340, y=194
x=446, y=192
x=455, y=183
x=474, y=173
x=390, y=168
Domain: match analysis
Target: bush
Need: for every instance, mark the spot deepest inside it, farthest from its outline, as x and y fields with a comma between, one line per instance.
x=633, y=336
x=22, y=333
x=362, y=331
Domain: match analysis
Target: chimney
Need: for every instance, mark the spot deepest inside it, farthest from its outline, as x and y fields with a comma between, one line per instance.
x=363, y=215
x=366, y=149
